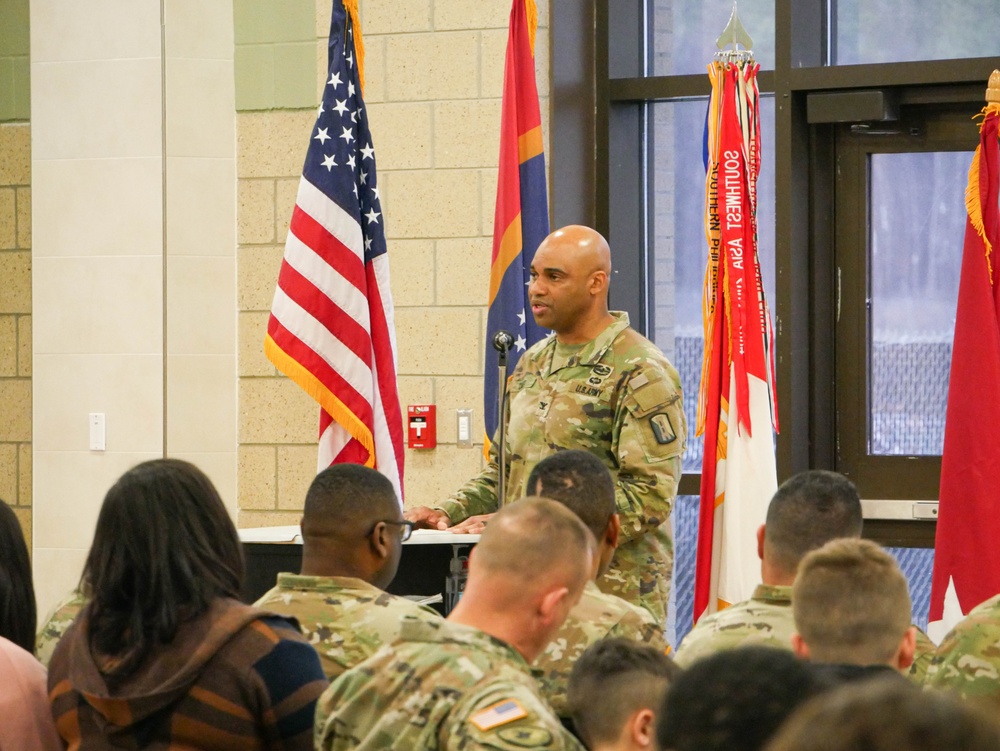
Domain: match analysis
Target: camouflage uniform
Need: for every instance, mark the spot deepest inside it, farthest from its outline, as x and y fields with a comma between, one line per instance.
x=345, y=619
x=922, y=658
x=60, y=619
x=968, y=659
x=441, y=686
x=619, y=398
x=597, y=616
x=765, y=619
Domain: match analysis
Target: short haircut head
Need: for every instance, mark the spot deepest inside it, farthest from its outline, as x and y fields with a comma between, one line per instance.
x=612, y=680
x=18, y=614
x=579, y=481
x=535, y=540
x=851, y=603
x=733, y=700
x=348, y=499
x=807, y=511
x=888, y=715
x=164, y=549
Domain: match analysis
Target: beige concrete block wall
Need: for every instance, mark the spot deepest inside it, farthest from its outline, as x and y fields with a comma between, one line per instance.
x=15, y=320
x=434, y=78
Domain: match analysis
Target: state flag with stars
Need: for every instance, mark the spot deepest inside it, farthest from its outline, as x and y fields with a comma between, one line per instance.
x=331, y=327
x=521, y=219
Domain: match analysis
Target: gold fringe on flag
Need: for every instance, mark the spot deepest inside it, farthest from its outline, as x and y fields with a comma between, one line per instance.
x=359, y=45
x=973, y=203
x=713, y=266
x=531, y=13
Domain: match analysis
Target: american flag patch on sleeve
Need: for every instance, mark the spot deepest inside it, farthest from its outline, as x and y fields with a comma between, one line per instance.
x=499, y=714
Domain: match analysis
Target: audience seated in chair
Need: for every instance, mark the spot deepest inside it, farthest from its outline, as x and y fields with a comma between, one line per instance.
x=852, y=612
x=465, y=682
x=17, y=592
x=888, y=715
x=163, y=654
x=352, y=538
x=25, y=720
x=807, y=511
x=734, y=700
x=580, y=481
x=968, y=660
x=615, y=690
x=56, y=624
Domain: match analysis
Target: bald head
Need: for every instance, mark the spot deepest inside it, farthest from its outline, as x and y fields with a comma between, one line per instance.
x=570, y=273
x=584, y=245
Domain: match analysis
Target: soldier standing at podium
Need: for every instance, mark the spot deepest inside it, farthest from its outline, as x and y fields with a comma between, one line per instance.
x=597, y=385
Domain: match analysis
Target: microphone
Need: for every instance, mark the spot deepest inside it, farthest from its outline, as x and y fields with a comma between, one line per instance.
x=502, y=341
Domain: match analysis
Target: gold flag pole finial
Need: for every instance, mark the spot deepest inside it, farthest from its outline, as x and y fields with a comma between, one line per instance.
x=993, y=88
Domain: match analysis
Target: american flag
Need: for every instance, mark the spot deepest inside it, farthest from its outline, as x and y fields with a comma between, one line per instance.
x=331, y=326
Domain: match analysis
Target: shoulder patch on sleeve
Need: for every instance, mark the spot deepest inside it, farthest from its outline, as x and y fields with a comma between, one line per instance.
x=527, y=737
x=663, y=430
x=655, y=395
x=498, y=714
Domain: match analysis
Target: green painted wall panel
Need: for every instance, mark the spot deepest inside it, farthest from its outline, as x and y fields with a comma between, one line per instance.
x=295, y=75
x=14, y=62
x=254, y=65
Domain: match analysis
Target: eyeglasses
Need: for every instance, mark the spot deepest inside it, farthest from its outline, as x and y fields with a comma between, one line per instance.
x=406, y=528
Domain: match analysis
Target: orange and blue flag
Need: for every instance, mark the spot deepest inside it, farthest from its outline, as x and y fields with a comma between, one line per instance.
x=521, y=220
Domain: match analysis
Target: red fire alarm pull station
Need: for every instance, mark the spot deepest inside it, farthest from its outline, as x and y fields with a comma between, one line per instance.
x=421, y=426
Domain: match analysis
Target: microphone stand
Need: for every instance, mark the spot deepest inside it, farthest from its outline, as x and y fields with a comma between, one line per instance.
x=501, y=343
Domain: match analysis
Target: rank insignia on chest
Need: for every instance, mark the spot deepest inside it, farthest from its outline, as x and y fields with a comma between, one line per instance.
x=663, y=431
x=543, y=407
x=498, y=714
x=599, y=374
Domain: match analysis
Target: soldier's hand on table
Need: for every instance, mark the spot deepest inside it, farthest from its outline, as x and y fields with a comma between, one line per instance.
x=424, y=517
x=471, y=526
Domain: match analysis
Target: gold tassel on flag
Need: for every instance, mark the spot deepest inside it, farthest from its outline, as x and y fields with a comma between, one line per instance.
x=531, y=13
x=359, y=46
x=972, y=198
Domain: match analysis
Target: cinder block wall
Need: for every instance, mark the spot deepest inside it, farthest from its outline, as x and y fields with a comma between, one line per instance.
x=434, y=78
x=15, y=319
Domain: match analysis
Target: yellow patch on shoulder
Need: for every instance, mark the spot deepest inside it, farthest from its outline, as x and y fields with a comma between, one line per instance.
x=498, y=714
